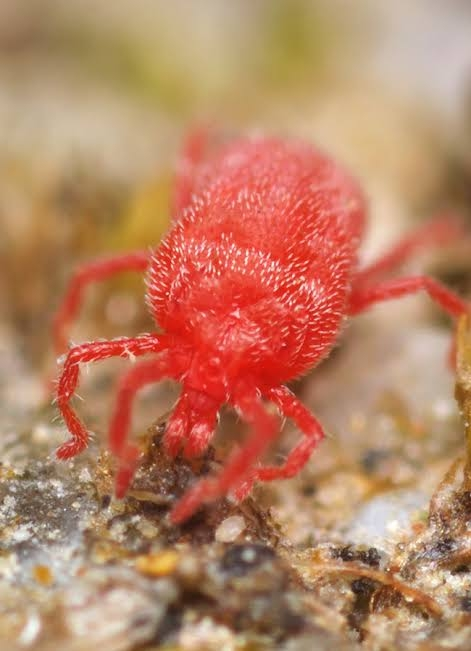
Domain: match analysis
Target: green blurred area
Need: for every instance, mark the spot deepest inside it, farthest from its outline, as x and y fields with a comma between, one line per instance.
x=95, y=99
x=266, y=47
x=174, y=64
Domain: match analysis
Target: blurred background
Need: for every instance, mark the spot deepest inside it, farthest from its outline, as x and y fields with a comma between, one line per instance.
x=95, y=98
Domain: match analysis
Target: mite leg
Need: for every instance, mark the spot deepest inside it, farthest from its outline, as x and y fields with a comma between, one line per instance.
x=193, y=421
x=265, y=430
x=363, y=297
x=203, y=414
x=177, y=426
x=138, y=376
x=193, y=153
x=93, y=352
x=441, y=231
x=201, y=432
x=313, y=432
x=85, y=275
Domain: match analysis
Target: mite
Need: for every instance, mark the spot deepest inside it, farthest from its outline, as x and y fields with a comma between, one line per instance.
x=250, y=288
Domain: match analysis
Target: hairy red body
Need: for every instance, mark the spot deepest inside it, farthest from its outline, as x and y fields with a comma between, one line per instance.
x=256, y=273
x=250, y=289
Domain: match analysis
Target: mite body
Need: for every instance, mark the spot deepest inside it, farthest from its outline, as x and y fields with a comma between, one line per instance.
x=254, y=278
x=249, y=290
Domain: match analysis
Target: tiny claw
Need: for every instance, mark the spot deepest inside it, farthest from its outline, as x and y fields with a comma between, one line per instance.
x=126, y=470
x=124, y=476
x=245, y=487
x=70, y=449
x=191, y=501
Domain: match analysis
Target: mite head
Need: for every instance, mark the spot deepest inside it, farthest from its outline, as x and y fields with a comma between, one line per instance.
x=242, y=312
x=228, y=341
x=226, y=305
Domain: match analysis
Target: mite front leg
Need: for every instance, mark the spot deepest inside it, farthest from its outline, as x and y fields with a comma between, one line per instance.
x=85, y=275
x=265, y=428
x=177, y=426
x=93, y=352
x=313, y=432
x=137, y=377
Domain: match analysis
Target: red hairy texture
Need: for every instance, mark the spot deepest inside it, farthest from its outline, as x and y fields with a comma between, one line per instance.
x=257, y=272
x=250, y=288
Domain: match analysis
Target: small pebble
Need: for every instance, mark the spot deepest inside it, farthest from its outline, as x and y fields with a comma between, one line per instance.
x=230, y=529
x=159, y=564
x=43, y=575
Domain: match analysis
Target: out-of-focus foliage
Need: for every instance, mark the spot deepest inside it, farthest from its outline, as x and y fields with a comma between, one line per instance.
x=144, y=219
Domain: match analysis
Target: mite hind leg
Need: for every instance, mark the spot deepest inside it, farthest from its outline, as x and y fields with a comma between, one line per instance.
x=441, y=231
x=364, y=297
x=192, y=154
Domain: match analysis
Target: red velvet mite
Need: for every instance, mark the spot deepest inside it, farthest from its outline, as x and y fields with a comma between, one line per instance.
x=249, y=289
